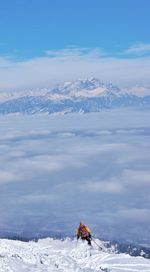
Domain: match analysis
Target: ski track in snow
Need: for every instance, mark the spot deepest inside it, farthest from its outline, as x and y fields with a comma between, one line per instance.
x=48, y=255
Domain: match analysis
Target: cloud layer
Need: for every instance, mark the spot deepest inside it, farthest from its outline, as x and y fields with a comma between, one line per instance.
x=56, y=171
x=125, y=68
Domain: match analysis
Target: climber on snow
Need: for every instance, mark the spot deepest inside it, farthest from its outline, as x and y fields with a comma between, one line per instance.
x=84, y=233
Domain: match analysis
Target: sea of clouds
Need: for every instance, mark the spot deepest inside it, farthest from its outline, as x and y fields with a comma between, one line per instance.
x=58, y=170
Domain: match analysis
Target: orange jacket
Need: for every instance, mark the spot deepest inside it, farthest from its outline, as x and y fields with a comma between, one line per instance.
x=83, y=231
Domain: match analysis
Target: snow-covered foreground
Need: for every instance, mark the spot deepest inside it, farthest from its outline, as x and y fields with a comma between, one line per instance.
x=68, y=256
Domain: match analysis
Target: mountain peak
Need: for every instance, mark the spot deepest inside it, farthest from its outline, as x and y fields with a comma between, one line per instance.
x=88, y=87
x=88, y=83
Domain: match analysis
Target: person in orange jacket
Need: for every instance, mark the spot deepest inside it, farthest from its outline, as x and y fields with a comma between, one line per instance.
x=84, y=233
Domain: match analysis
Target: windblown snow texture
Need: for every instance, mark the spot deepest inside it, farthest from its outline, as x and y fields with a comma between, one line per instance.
x=65, y=256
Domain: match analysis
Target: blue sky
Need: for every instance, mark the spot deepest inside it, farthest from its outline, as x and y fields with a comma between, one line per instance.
x=30, y=29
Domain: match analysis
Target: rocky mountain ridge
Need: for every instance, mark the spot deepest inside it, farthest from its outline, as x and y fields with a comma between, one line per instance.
x=80, y=96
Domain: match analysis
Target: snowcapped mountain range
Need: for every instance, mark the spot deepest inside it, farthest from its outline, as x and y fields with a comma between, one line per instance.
x=83, y=96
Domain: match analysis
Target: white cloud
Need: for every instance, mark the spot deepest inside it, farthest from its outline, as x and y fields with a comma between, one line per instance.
x=134, y=214
x=111, y=187
x=38, y=198
x=70, y=64
x=139, y=49
x=137, y=178
x=6, y=177
x=76, y=52
x=43, y=163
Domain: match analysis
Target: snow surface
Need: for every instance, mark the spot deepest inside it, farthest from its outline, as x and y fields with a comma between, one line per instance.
x=68, y=256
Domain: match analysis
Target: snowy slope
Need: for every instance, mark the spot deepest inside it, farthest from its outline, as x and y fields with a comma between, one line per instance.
x=68, y=256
